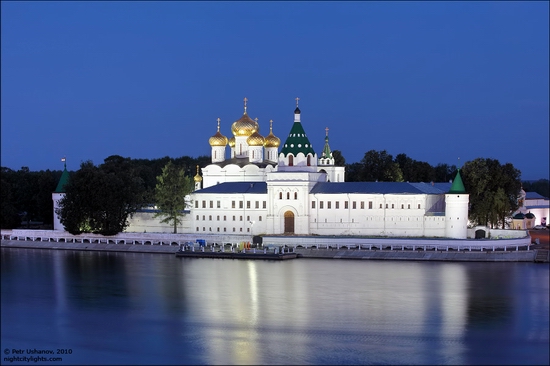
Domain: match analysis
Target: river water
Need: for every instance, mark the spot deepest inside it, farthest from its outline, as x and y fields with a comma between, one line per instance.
x=135, y=308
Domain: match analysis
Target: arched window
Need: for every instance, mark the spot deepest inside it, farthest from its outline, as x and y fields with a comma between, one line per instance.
x=309, y=160
x=280, y=195
x=295, y=195
x=287, y=195
x=290, y=160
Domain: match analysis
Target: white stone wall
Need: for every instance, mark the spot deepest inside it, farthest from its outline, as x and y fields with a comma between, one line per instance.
x=371, y=214
x=248, y=219
x=214, y=174
x=143, y=222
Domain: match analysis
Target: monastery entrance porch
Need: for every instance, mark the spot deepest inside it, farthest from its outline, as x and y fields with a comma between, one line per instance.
x=289, y=222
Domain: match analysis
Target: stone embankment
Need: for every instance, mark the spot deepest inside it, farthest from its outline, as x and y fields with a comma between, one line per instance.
x=365, y=254
x=167, y=249
x=420, y=255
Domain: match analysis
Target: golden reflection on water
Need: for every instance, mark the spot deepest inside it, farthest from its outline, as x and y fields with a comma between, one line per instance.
x=284, y=312
x=255, y=303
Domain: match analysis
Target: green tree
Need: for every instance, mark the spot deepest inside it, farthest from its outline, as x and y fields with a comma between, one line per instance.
x=173, y=186
x=101, y=199
x=353, y=172
x=540, y=186
x=379, y=166
x=9, y=218
x=339, y=159
x=47, y=182
x=413, y=170
x=493, y=190
x=444, y=172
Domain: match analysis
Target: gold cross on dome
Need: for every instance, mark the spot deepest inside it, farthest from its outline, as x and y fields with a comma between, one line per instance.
x=270, y=125
x=297, y=99
x=256, y=119
x=326, y=130
x=219, y=123
x=245, y=100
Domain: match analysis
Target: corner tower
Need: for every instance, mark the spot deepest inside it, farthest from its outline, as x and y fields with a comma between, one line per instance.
x=58, y=195
x=456, y=210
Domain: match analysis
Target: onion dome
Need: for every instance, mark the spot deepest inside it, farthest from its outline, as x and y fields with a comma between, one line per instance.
x=197, y=178
x=232, y=142
x=255, y=139
x=244, y=126
x=271, y=140
x=218, y=139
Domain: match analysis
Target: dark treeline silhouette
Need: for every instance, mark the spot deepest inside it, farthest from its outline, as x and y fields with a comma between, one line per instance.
x=382, y=167
x=26, y=196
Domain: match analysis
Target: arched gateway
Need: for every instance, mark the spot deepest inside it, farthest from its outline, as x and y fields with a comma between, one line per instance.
x=289, y=222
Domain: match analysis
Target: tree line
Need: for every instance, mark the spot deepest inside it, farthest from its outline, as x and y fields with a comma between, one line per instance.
x=101, y=198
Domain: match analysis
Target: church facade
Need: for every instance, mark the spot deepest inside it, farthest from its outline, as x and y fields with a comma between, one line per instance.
x=260, y=190
x=265, y=187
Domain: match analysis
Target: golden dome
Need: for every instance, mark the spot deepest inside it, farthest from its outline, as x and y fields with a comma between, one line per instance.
x=255, y=139
x=218, y=139
x=197, y=178
x=232, y=142
x=271, y=140
x=244, y=126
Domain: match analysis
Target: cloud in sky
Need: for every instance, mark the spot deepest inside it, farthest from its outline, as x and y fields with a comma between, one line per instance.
x=433, y=80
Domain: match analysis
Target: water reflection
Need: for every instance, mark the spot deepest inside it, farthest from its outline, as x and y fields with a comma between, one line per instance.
x=145, y=308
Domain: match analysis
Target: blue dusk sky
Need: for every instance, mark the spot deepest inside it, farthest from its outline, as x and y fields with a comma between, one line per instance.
x=436, y=81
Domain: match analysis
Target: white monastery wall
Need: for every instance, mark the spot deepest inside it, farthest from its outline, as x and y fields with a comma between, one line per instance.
x=143, y=222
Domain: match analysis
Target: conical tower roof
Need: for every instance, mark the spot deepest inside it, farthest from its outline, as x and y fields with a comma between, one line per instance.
x=63, y=180
x=457, y=187
x=327, y=154
x=297, y=140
